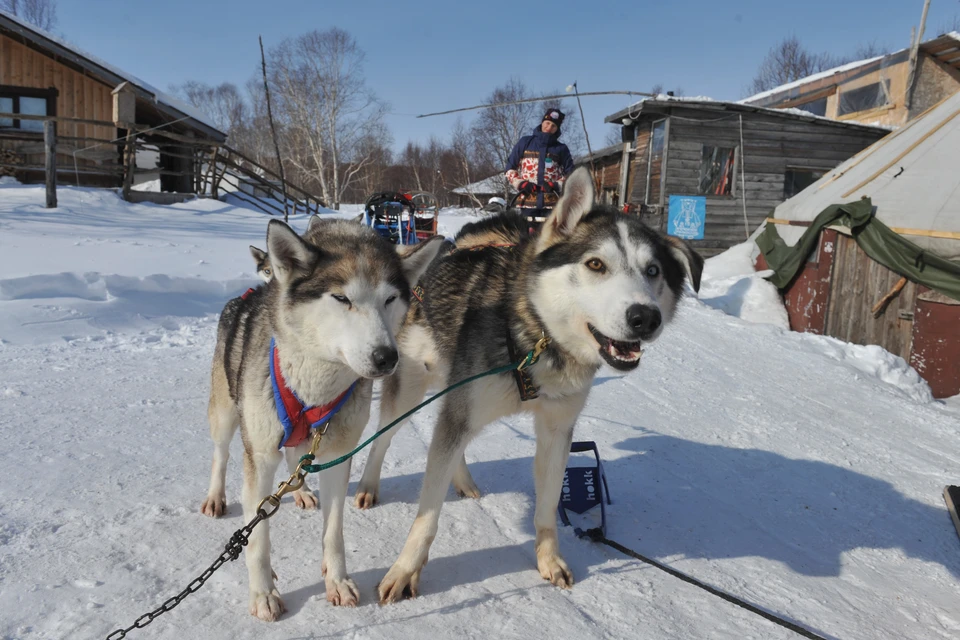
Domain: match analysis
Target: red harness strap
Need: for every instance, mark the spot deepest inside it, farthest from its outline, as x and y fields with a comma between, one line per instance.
x=297, y=420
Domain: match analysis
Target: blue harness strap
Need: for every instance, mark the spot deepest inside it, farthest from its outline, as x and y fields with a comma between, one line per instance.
x=297, y=419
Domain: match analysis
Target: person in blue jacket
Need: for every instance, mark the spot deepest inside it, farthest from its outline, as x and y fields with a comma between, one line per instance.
x=538, y=166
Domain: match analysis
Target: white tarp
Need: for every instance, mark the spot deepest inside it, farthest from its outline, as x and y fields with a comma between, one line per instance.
x=911, y=176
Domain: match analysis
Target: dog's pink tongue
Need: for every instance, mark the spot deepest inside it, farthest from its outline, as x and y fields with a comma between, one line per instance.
x=624, y=350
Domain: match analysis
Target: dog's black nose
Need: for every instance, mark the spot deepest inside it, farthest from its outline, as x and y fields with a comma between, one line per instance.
x=385, y=358
x=643, y=319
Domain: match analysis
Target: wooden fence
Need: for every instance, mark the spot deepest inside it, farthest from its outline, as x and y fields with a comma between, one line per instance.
x=213, y=169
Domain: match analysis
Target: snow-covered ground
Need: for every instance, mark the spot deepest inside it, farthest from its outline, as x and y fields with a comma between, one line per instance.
x=798, y=472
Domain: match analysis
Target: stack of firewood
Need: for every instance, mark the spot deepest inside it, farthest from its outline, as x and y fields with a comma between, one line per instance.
x=8, y=158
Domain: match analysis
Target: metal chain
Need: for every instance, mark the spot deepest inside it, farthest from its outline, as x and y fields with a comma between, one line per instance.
x=237, y=542
x=232, y=551
x=240, y=538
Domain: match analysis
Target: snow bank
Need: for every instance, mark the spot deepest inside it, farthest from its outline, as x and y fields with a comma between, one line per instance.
x=731, y=285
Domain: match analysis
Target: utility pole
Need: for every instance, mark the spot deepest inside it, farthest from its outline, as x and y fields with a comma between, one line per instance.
x=914, y=56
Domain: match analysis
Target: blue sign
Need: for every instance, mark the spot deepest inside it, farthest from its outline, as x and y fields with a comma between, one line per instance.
x=687, y=217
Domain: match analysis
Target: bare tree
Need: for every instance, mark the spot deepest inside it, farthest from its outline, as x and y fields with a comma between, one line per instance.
x=497, y=130
x=42, y=13
x=949, y=27
x=223, y=104
x=788, y=61
x=327, y=106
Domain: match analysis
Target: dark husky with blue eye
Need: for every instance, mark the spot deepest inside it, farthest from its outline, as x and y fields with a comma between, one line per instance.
x=598, y=284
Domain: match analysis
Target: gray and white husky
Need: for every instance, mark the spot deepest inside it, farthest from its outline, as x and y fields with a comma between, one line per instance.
x=600, y=285
x=262, y=259
x=333, y=307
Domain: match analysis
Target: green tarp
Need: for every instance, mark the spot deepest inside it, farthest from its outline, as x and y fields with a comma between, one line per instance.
x=875, y=238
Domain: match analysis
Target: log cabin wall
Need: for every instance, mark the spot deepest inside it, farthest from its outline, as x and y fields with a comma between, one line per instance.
x=76, y=96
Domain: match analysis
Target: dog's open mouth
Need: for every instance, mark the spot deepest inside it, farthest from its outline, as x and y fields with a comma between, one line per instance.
x=617, y=353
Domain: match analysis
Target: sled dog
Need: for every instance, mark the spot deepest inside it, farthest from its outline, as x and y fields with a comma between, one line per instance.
x=597, y=284
x=260, y=257
x=318, y=333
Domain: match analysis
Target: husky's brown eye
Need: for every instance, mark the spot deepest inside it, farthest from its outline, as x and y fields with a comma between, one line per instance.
x=341, y=299
x=391, y=299
x=595, y=264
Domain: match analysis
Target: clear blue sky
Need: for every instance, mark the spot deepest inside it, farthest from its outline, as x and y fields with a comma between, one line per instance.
x=432, y=56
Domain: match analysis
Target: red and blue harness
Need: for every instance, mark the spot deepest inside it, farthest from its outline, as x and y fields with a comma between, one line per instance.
x=297, y=419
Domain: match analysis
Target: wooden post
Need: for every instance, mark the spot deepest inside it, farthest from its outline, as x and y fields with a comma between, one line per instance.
x=50, y=150
x=129, y=164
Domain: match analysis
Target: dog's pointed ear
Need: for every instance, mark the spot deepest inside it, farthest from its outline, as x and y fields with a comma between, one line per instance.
x=416, y=258
x=359, y=218
x=690, y=259
x=576, y=201
x=313, y=222
x=289, y=254
x=258, y=254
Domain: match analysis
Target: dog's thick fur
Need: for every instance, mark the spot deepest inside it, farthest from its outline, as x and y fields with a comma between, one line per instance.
x=336, y=300
x=599, y=284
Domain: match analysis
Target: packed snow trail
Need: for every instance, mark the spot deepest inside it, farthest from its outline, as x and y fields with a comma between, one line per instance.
x=794, y=471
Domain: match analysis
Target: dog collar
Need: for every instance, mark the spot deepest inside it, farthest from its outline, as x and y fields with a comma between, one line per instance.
x=297, y=419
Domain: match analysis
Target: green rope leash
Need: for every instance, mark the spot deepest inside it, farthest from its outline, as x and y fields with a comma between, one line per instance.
x=528, y=360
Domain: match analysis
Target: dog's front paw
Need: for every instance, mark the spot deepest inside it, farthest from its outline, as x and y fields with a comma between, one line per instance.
x=399, y=584
x=464, y=484
x=214, y=506
x=554, y=569
x=365, y=498
x=266, y=606
x=305, y=499
x=343, y=593
x=470, y=490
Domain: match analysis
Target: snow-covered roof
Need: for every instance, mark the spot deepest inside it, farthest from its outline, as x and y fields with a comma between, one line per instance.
x=91, y=62
x=935, y=47
x=850, y=66
x=660, y=101
x=909, y=176
x=493, y=184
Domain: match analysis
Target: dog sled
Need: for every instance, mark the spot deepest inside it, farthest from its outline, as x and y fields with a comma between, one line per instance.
x=402, y=217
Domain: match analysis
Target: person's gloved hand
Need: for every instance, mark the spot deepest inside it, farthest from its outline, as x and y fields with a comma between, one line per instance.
x=527, y=187
x=551, y=186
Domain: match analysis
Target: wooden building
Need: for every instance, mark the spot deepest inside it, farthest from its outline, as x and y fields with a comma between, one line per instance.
x=889, y=272
x=888, y=90
x=95, y=105
x=735, y=162
x=605, y=165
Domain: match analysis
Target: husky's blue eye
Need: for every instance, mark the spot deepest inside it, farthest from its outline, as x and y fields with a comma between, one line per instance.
x=391, y=299
x=653, y=271
x=340, y=298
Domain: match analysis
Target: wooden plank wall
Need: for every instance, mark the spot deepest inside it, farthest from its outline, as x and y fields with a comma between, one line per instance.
x=772, y=144
x=858, y=284
x=80, y=96
x=637, y=176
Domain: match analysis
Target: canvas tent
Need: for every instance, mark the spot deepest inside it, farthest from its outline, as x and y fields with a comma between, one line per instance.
x=870, y=253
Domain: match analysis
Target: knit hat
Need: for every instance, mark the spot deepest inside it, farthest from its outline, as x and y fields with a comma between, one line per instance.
x=555, y=116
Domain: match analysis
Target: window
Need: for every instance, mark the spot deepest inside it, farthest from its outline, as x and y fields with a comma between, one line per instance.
x=865, y=98
x=6, y=106
x=796, y=180
x=658, y=140
x=716, y=170
x=816, y=107
x=28, y=101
